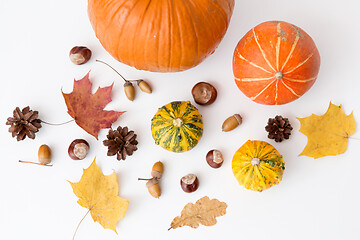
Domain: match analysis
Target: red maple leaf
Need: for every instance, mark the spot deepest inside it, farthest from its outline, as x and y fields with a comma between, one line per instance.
x=87, y=108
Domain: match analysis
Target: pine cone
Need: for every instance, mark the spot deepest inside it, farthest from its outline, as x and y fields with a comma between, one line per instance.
x=24, y=123
x=121, y=142
x=279, y=128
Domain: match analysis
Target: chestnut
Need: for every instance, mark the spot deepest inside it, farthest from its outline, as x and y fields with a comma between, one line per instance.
x=80, y=55
x=204, y=93
x=214, y=158
x=78, y=149
x=189, y=183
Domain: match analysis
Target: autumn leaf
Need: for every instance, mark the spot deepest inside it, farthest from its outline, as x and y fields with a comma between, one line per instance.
x=327, y=134
x=87, y=108
x=99, y=194
x=204, y=212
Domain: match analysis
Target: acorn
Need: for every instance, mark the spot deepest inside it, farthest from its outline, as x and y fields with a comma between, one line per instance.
x=129, y=90
x=144, y=86
x=152, y=184
x=44, y=156
x=231, y=123
x=157, y=170
x=204, y=93
x=154, y=187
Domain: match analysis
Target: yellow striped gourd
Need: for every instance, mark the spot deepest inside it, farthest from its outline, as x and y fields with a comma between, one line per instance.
x=177, y=126
x=257, y=165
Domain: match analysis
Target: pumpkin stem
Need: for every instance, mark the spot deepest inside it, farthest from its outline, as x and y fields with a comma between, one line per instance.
x=112, y=69
x=279, y=75
x=177, y=122
x=255, y=161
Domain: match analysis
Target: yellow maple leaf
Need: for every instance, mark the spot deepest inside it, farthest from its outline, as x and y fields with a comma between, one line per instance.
x=99, y=194
x=327, y=134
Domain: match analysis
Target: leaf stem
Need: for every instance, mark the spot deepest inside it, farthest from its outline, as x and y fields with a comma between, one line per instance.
x=112, y=69
x=80, y=223
x=354, y=138
x=169, y=228
x=47, y=165
x=57, y=124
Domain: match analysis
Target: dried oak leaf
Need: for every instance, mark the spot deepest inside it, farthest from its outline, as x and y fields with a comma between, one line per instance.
x=87, y=108
x=99, y=194
x=327, y=134
x=204, y=212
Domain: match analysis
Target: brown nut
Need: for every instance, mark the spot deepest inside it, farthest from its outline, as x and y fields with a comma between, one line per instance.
x=129, y=90
x=204, y=93
x=154, y=187
x=144, y=86
x=44, y=154
x=157, y=170
x=80, y=55
x=189, y=183
x=78, y=149
x=231, y=123
x=214, y=158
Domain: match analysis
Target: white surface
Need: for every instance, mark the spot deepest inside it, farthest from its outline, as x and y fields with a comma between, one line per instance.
x=317, y=199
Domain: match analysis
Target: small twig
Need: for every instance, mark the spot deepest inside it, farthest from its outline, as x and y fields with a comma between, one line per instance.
x=57, y=124
x=47, y=165
x=80, y=223
x=112, y=69
x=144, y=179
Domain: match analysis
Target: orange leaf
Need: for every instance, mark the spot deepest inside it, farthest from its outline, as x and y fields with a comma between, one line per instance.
x=87, y=108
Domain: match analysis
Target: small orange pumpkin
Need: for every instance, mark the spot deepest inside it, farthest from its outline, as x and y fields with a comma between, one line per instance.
x=275, y=63
x=159, y=35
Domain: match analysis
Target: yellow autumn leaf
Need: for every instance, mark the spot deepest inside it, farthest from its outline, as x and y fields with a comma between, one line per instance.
x=327, y=134
x=99, y=194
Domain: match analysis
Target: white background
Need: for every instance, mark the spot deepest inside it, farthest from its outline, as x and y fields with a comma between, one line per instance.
x=317, y=199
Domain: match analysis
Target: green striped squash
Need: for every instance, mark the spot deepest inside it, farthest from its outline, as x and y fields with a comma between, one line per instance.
x=257, y=165
x=177, y=126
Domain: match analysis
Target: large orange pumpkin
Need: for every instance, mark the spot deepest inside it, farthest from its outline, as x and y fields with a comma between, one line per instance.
x=160, y=35
x=275, y=63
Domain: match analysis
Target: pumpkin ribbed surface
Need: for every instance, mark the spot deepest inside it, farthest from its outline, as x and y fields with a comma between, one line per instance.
x=160, y=35
x=177, y=126
x=275, y=63
x=257, y=165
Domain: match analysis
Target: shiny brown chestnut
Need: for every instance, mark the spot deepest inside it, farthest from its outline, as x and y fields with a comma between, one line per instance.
x=204, y=93
x=214, y=158
x=80, y=55
x=189, y=183
x=78, y=149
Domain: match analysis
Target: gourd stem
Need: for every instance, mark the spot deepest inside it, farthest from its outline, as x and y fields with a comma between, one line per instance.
x=177, y=122
x=279, y=75
x=112, y=69
x=255, y=161
x=57, y=124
